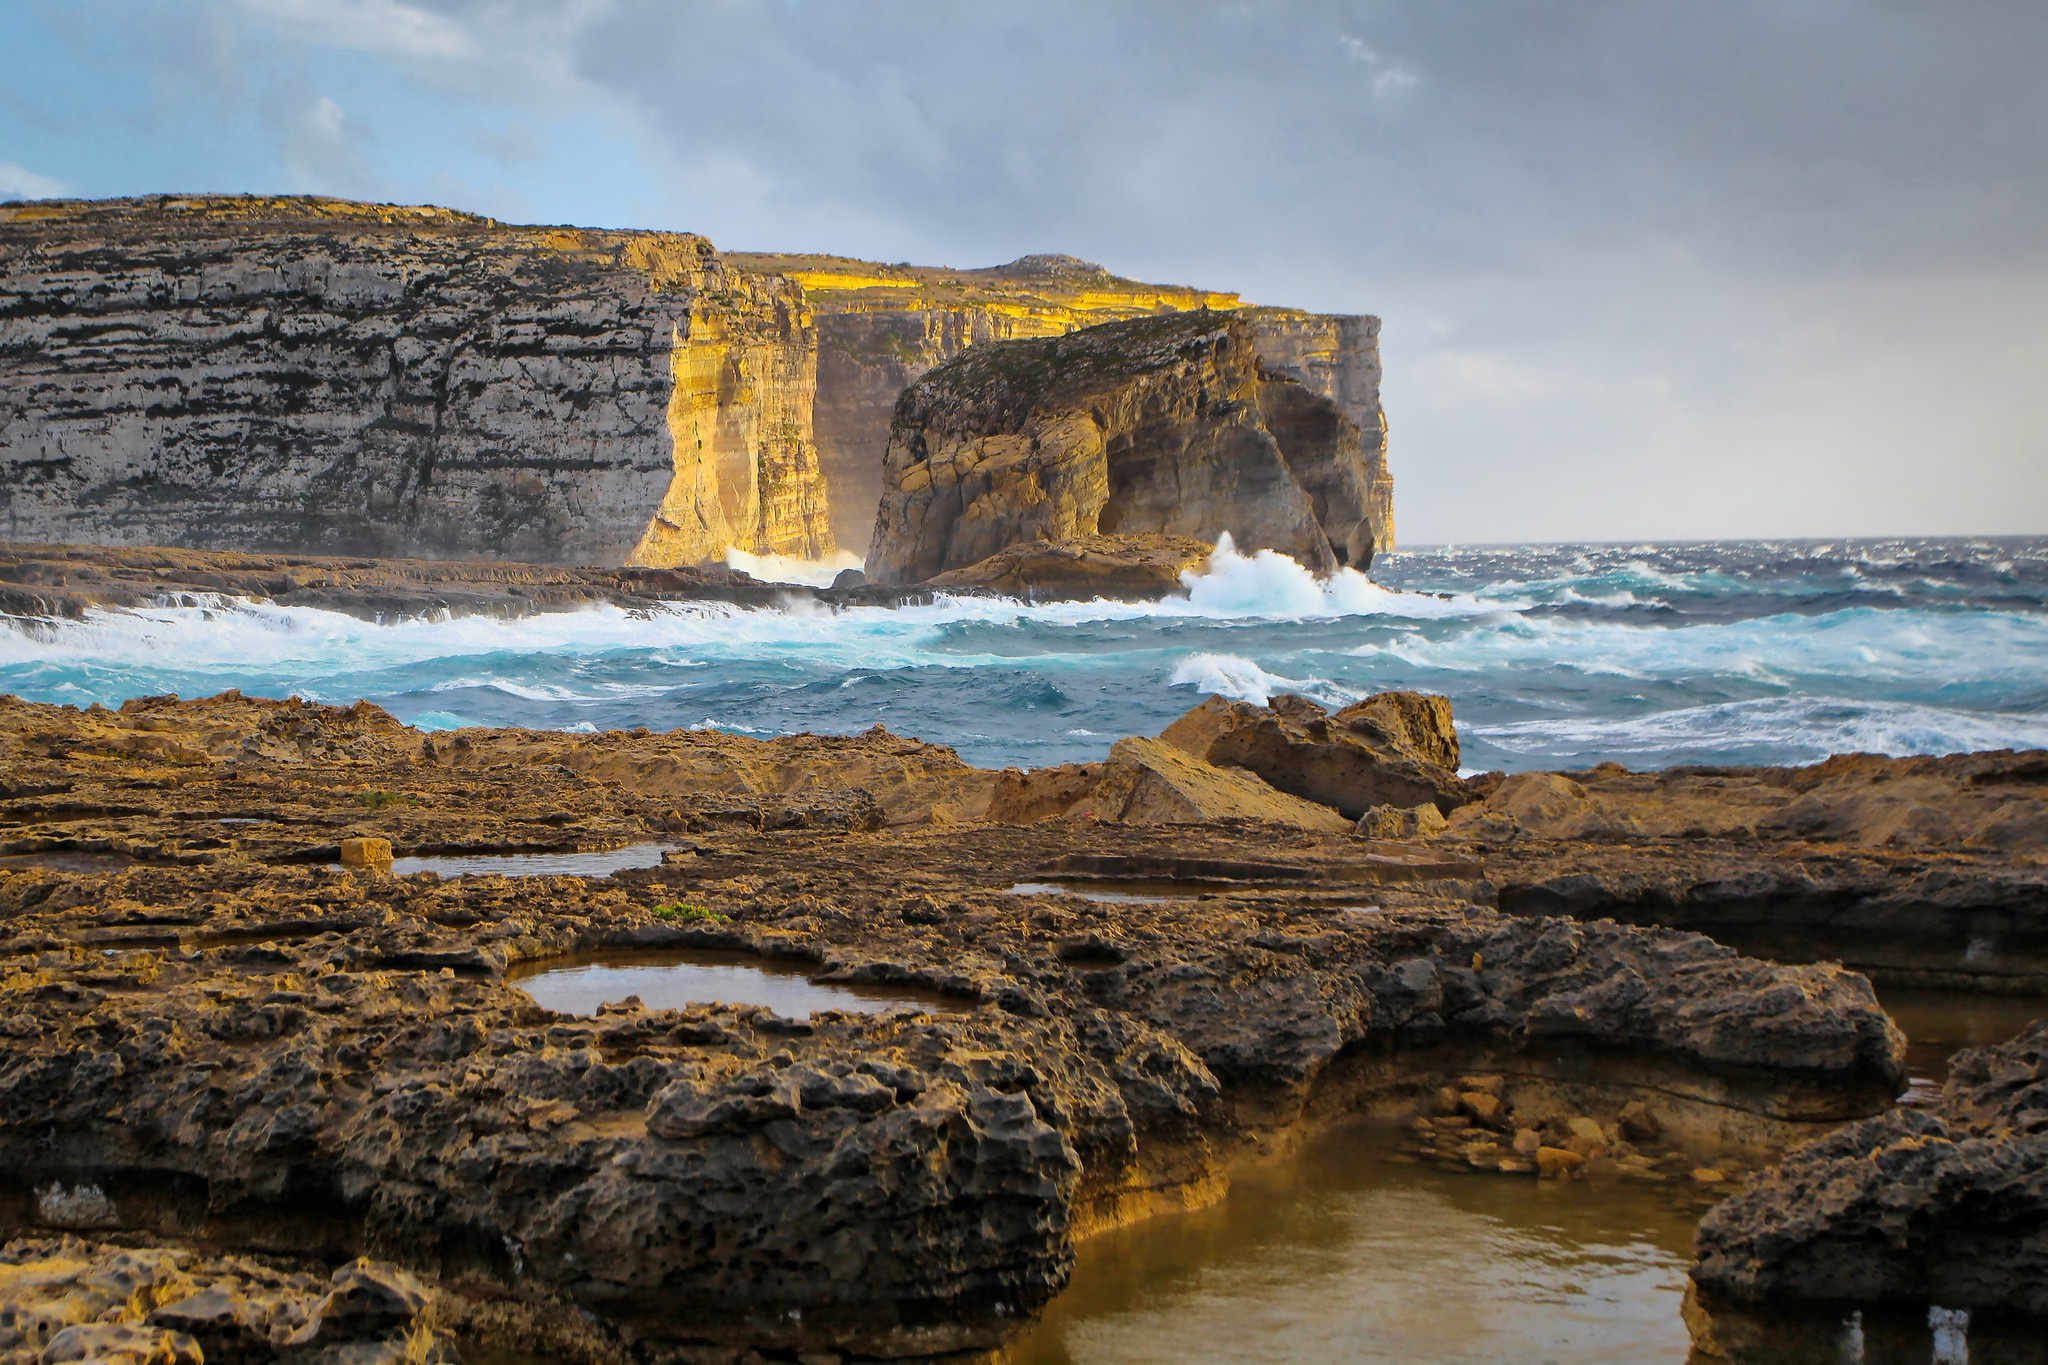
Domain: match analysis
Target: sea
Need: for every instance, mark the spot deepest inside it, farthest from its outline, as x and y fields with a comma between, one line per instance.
x=1553, y=656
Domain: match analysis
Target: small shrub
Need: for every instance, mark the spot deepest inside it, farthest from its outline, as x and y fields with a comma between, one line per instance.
x=377, y=800
x=682, y=913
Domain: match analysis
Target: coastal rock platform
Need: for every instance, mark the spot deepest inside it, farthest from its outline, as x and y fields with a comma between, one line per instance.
x=218, y=1036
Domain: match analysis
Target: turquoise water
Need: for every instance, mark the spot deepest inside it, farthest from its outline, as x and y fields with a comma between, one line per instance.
x=1733, y=652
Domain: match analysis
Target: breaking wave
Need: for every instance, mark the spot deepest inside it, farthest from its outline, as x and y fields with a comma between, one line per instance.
x=1552, y=655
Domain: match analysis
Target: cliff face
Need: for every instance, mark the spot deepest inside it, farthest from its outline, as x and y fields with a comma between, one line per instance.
x=1153, y=426
x=241, y=373
x=883, y=327
x=317, y=376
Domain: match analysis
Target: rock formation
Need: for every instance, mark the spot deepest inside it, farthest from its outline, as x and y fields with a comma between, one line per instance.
x=1917, y=871
x=1153, y=426
x=1393, y=749
x=882, y=327
x=310, y=374
x=1914, y=1208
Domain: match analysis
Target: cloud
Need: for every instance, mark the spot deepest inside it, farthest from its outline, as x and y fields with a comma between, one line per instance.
x=1388, y=78
x=325, y=151
x=19, y=182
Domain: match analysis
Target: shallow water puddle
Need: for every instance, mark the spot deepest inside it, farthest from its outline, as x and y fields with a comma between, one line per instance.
x=1343, y=1256
x=1110, y=893
x=67, y=861
x=677, y=978
x=599, y=864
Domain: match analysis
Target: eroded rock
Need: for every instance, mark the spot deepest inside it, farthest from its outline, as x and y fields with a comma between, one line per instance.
x=1393, y=749
x=1151, y=426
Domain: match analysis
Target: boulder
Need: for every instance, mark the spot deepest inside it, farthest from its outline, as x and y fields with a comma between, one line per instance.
x=1944, y=1206
x=1150, y=426
x=1148, y=781
x=1129, y=568
x=1394, y=749
x=1398, y=822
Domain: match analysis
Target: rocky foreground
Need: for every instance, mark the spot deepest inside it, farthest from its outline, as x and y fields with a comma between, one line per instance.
x=235, y=1065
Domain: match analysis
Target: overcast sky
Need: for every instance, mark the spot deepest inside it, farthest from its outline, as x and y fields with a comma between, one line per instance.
x=1648, y=268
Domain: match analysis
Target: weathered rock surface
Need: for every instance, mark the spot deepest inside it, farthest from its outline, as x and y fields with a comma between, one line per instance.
x=308, y=374
x=1152, y=426
x=1127, y=568
x=883, y=327
x=64, y=1298
x=212, y=1036
x=1393, y=748
x=1920, y=871
x=1945, y=1207
x=1148, y=781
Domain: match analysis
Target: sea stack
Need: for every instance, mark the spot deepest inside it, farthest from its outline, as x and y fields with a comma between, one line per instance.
x=1168, y=425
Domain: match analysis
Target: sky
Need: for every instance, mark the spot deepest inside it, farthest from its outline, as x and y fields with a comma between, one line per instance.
x=1648, y=269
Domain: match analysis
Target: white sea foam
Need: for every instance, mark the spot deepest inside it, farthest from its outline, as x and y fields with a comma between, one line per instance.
x=815, y=573
x=1239, y=678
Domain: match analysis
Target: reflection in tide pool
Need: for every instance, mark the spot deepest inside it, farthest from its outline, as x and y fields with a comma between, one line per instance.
x=602, y=863
x=676, y=979
x=1345, y=1256
x=1938, y=1024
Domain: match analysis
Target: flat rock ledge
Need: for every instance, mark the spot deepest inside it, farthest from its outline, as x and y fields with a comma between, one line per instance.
x=220, y=1041
x=1898, y=1225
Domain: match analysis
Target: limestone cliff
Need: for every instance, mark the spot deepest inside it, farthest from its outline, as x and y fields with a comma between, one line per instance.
x=1155, y=426
x=882, y=327
x=310, y=374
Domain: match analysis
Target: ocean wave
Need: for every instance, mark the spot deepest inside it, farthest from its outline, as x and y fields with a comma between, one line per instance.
x=1243, y=680
x=1796, y=728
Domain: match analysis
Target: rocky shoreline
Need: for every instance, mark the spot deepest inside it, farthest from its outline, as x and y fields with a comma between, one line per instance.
x=224, y=1040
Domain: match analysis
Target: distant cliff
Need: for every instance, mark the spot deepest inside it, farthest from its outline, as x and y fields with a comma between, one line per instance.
x=311, y=374
x=320, y=376
x=1158, y=426
x=881, y=327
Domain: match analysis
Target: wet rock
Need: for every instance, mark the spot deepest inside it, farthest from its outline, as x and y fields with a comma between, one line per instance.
x=1556, y=1161
x=1396, y=748
x=1942, y=1206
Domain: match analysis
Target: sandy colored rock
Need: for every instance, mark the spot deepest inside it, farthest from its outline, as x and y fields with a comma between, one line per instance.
x=1023, y=797
x=1396, y=748
x=1401, y=822
x=366, y=852
x=1554, y=1161
x=1151, y=426
x=1148, y=781
x=1139, y=568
